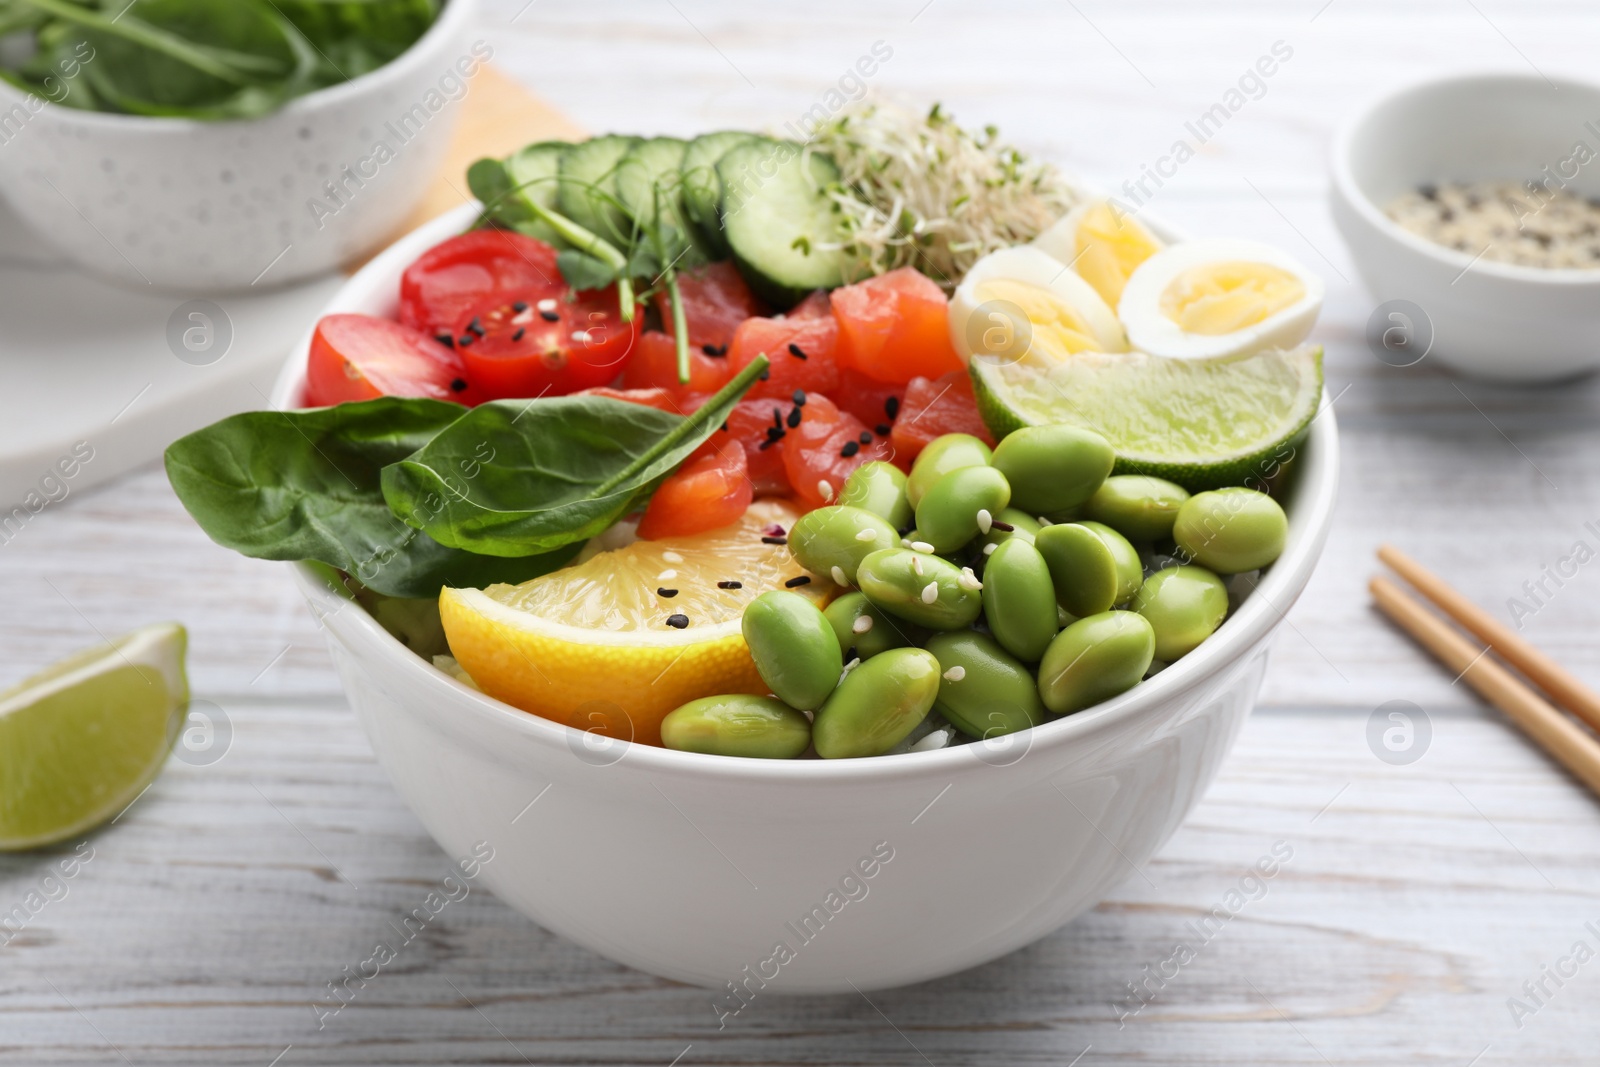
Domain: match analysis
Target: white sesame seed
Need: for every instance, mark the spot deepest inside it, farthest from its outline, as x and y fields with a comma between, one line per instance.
x=838, y=576
x=580, y=337
x=916, y=565
x=930, y=593
x=667, y=575
x=824, y=489
x=1044, y=521
x=671, y=557
x=985, y=520
x=988, y=550
x=955, y=674
x=968, y=580
x=923, y=547
x=867, y=535
x=861, y=625
x=546, y=305
x=905, y=542
x=936, y=740
x=848, y=667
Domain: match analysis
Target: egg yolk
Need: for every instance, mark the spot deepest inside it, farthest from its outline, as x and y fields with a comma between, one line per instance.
x=1110, y=244
x=1057, y=329
x=1222, y=298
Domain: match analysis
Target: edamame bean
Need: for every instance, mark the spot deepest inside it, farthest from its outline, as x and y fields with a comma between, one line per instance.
x=943, y=455
x=738, y=724
x=1052, y=468
x=1231, y=530
x=1094, y=659
x=833, y=541
x=983, y=690
x=867, y=631
x=880, y=488
x=1184, y=606
x=1022, y=526
x=1138, y=506
x=1092, y=566
x=877, y=704
x=1019, y=599
x=948, y=513
x=923, y=588
x=793, y=645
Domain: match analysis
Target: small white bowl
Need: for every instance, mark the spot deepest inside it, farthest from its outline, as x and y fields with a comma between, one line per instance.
x=218, y=206
x=697, y=867
x=1489, y=319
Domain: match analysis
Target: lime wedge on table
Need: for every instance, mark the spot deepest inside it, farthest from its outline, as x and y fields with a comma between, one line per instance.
x=81, y=739
x=1200, y=423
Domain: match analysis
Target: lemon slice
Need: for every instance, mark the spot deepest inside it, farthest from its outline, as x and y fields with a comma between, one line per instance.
x=1201, y=423
x=615, y=642
x=80, y=740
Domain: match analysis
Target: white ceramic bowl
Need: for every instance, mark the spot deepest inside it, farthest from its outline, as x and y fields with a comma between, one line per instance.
x=217, y=206
x=1489, y=319
x=697, y=867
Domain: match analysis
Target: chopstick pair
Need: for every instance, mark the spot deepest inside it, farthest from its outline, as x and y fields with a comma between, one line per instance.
x=1573, y=746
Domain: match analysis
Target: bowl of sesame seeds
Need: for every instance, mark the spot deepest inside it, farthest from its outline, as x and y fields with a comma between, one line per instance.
x=1471, y=206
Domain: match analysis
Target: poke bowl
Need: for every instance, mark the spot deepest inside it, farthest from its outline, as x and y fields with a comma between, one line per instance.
x=801, y=875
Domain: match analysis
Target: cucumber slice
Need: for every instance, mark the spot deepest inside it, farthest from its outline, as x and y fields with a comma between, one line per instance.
x=532, y=173
x=777, y=219
x=588, y=194
x=702, y=190
x=647, y=165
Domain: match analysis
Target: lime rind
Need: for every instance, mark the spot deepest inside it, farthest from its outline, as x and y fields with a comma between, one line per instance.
x=1200, y=423
x=80, y=740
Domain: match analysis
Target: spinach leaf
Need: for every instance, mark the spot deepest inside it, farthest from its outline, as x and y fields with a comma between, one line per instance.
x=518, y=477
x=305, y=485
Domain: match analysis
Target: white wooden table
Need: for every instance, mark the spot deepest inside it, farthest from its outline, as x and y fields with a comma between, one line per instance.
x=1418, y=900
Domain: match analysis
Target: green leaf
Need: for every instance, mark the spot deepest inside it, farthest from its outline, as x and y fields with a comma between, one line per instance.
x=518, y=477
x=305, y=485
x=583, y=271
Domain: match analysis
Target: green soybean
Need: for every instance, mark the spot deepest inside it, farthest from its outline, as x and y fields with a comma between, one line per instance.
x=948, y=515
x=877, y=704
x=737, y=725
x=1138, y=506
x=793, y=645
x=833, y=541
x=1052, y=468
x=943, y=455
x=868, y=631
x=1231, y=530
x=983, y=690
x=1184, y=606
x=1019, y=599
x=925, y=589
x=1094, y=659
x=880, y=488
x=1091, y=566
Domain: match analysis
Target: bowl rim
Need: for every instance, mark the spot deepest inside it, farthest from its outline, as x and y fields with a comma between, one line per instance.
x=452, y=15
x=1351, y=192
x=1316, y=491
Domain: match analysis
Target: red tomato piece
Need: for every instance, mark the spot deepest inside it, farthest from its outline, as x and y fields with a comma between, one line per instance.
x=654, y=364
x=449, y=279
x=895, y=327
x=800, y=350
x=360, y=357
x=868, y=399
x=715, y=301
x=933, y=408
x=820, y=453
x=525, y=343
x=711, y=490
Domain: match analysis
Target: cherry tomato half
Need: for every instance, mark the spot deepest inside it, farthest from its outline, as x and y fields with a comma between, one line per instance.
x=525, y=343
x=710, y=491
x=452, y=277
x=359, y=357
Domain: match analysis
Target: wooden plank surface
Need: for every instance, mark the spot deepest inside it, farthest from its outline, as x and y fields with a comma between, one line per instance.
x=1418, y=899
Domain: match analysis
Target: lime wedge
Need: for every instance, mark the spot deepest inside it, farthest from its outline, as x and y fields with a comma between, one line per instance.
x=1200, y=423
x=81, y=739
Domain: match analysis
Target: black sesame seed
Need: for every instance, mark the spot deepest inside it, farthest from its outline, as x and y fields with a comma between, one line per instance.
x=883, y=429
x=795, y=351
x=850, y=448
x=668, y=593
x=709, y=350
x=799, y=398
x=794, y=417
x=865, y=438
x=458, y=384
x=550, y=316
x=804, y=579
x=730, y=585
x=766, y=372
x=678, y=622
x=777, y=418
x=1003, y=527
x=775, y=433
x=445, y=339
x=519, y=306
x=768, y=443
x=724, y=427
x=464, y=340
x=850, y=653
x=518, y=335
x=475, y=327
x=774, y=540
x=891, y=407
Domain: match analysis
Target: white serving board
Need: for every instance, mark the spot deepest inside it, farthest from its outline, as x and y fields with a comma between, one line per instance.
x=82, y=360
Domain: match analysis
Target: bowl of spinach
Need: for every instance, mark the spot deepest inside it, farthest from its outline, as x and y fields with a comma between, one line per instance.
x=216, y=145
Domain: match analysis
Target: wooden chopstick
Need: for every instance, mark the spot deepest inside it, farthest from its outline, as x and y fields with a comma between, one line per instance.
x=1565, y=689
x=1558, y=735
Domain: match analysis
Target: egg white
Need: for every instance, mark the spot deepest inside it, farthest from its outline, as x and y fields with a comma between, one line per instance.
x=1029, y=266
